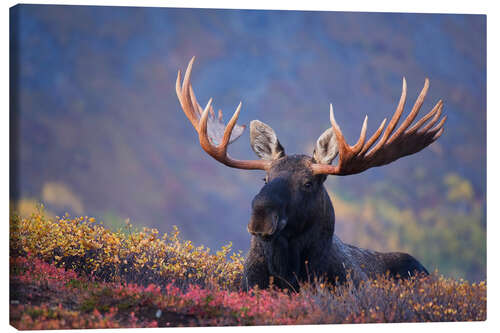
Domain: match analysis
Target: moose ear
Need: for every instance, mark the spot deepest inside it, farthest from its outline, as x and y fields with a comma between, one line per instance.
x=326, y=148
x=264, y=141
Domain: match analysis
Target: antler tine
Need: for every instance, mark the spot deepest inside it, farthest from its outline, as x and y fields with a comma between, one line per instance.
x=409, y=119
x=345, y=151
x=229, y=127
x=185, y=100
x=212, y=113
x=202, y=131
x=186, y=82
x=338, y=132
x=438, y=134
x=359, y=145
x=194, y=101
x=373, y=138
x=439, y=126
x=178, y=84
x=394, y=120
x=418, y=124
x=433, y=120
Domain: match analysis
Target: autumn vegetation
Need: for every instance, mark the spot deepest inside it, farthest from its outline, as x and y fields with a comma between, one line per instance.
x=70, y=272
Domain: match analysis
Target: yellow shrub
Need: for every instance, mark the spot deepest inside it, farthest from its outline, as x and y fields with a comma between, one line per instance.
x=133, y=256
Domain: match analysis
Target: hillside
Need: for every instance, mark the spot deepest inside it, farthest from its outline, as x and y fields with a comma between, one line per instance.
x=73, y=273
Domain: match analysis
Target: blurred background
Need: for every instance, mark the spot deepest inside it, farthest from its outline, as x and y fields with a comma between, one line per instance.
x=96, y=128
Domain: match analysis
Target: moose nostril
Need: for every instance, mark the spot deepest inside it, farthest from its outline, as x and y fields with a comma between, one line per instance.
x=251, y=232
x=263, y=223
x=254, y=232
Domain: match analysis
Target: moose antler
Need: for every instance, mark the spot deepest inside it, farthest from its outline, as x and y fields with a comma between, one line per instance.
x=357, y=158
x=213, y=135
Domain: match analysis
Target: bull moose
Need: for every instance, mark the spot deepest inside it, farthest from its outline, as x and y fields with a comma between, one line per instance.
x=292, y=222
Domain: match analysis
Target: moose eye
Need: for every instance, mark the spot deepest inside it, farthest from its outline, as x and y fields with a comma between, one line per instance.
x=308, y=185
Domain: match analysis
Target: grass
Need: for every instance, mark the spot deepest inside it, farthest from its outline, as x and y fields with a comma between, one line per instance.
x=74, y=273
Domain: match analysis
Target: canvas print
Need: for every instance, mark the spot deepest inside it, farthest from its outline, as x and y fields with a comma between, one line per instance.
x=224, y=167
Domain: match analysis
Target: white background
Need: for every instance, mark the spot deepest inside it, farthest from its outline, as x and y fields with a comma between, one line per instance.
x=420, y=6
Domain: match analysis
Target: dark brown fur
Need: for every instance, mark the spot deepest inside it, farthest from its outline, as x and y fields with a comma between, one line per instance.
x=306, y=246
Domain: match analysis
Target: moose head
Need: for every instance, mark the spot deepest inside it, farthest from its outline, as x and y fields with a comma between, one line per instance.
x=292, y=220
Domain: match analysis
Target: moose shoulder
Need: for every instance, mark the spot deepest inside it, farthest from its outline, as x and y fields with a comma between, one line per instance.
x=293, y=221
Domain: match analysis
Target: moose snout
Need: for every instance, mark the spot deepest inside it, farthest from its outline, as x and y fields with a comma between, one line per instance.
x=269, y=209
x=263, y=224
